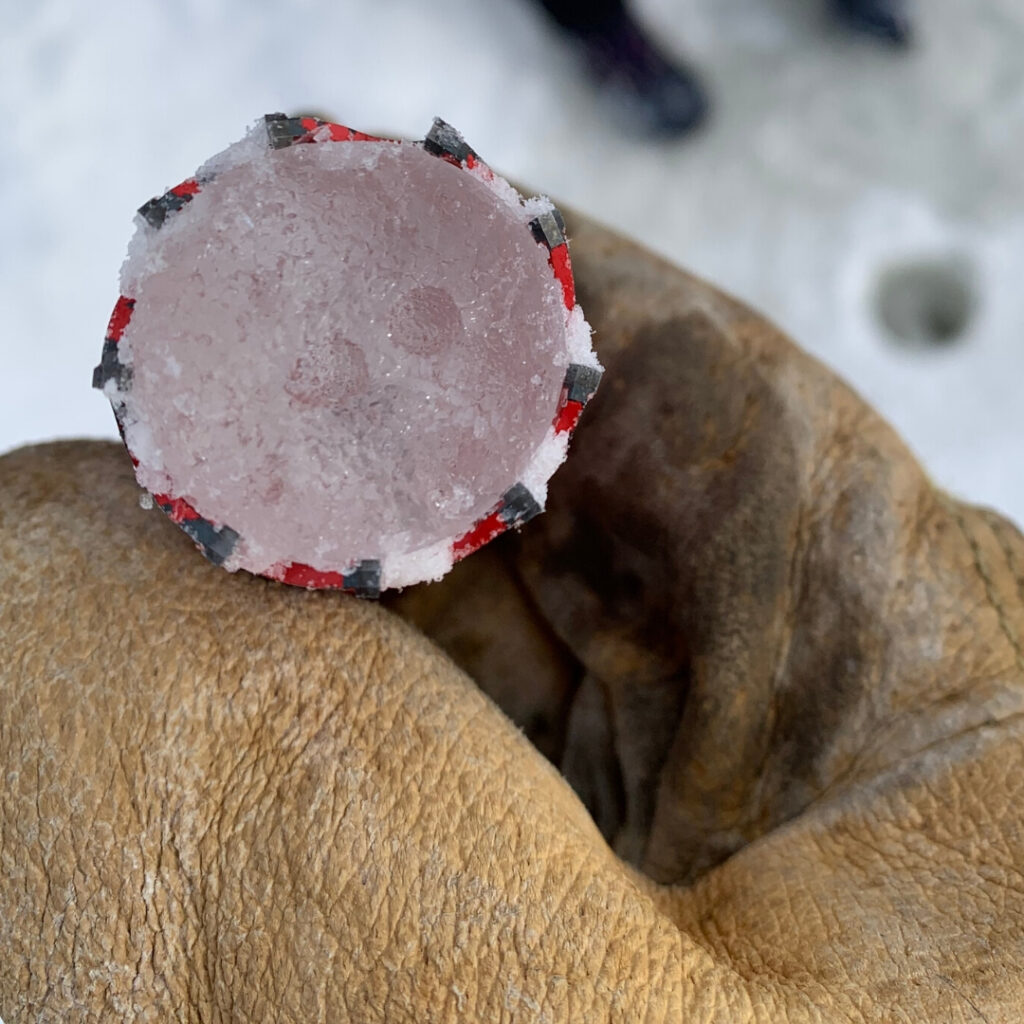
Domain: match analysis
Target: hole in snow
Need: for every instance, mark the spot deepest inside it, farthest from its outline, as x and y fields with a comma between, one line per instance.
x=927, y=302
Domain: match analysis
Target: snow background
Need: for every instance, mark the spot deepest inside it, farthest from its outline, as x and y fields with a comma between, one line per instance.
x=829, y=159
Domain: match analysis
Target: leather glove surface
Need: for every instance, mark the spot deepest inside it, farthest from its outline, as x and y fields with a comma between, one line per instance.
x=772, y=677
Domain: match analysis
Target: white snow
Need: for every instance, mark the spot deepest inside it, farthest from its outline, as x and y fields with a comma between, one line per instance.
x=828, y=160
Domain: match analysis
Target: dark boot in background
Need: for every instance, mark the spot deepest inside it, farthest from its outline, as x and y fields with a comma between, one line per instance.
x=649, y=90
x=885, y=19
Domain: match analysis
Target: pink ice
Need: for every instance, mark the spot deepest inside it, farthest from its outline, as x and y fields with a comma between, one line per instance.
x=341, y=350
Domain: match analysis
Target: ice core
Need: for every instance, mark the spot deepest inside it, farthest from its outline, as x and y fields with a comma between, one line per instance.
x=343, y=351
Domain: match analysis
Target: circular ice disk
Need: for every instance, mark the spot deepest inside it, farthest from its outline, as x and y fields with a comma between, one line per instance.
x=344, y=354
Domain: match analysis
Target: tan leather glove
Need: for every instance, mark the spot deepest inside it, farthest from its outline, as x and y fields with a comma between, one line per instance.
x=782, y=670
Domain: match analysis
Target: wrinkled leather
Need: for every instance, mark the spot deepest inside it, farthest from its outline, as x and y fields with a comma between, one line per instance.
x=781, y=669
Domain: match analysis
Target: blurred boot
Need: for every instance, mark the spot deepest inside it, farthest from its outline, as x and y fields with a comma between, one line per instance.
x=650, y=91
x=886, y=19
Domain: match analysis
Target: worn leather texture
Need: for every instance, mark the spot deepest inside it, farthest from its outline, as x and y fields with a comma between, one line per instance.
x=773, y=676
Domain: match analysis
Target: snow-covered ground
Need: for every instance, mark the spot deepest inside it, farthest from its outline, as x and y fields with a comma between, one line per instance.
x=830, y=163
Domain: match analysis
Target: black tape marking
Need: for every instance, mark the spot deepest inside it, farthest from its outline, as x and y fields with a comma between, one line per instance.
x=215, y=542
x=581, y=382
x=156, y=211
x=549, y=228
x=365, y=579
x=444, y=140
x=111, y=368
x=518, y=506
x=282, y=130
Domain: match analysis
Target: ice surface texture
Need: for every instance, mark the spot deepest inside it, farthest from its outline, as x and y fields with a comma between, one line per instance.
x=343, y=353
